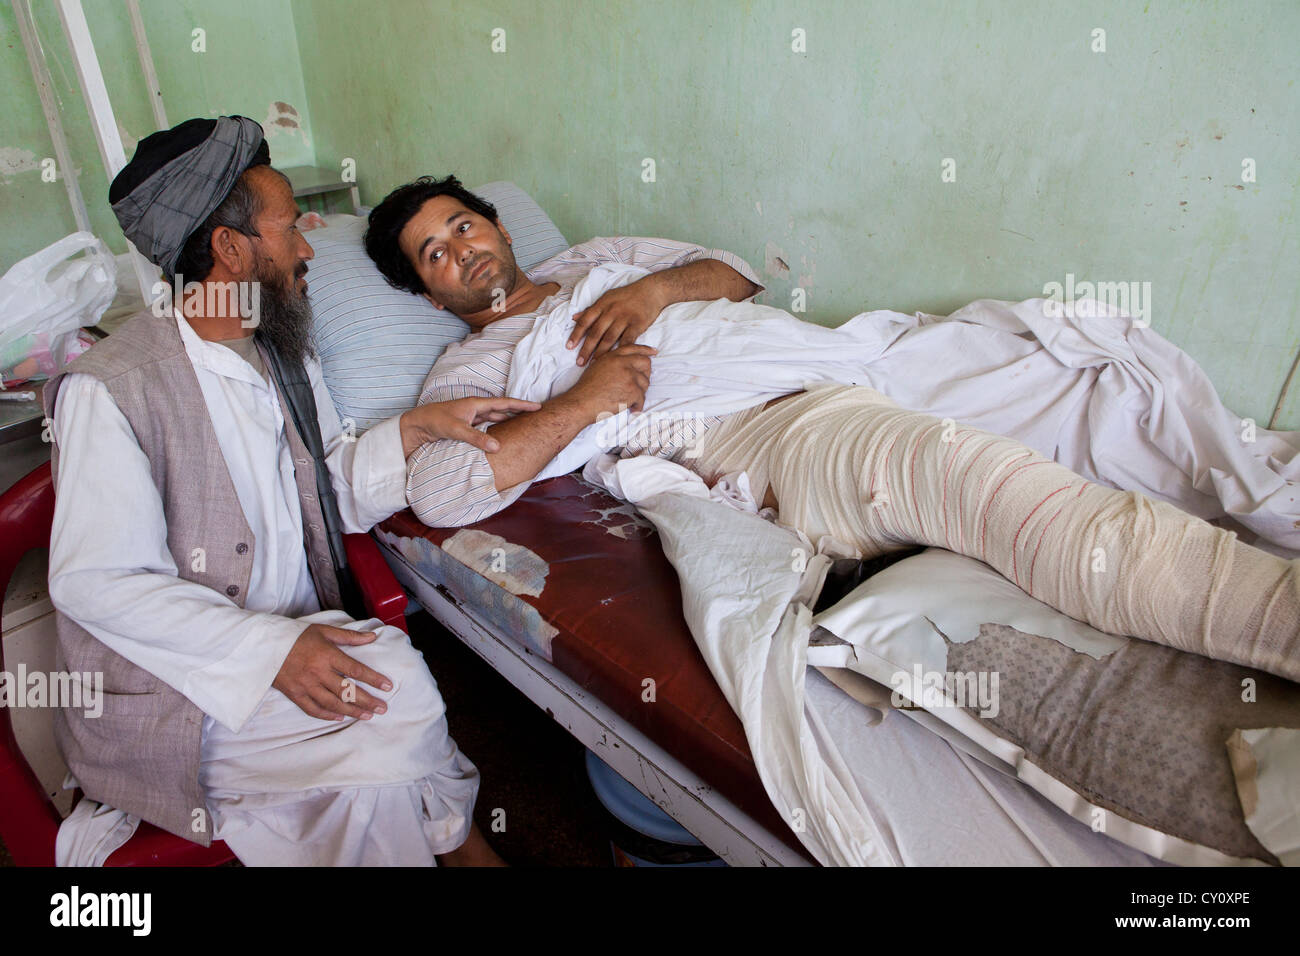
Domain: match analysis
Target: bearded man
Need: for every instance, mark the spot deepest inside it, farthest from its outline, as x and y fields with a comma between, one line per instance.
x=203, y=483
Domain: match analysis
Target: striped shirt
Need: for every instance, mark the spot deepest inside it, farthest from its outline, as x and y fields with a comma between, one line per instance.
x=450, y=483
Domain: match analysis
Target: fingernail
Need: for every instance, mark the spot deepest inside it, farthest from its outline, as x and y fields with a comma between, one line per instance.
x=381, y=709
x=386, y=685
x=365, y=715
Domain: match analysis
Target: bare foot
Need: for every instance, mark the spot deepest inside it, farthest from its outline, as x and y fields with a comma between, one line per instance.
x=475, y=851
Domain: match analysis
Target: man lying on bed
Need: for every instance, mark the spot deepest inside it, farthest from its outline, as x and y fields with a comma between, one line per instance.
x=835, y=460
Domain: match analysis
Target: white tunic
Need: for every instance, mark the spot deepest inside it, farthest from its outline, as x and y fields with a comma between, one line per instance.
x=112, y=573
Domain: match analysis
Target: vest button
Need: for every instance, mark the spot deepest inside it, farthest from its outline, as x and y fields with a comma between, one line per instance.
x=241, y=548
x=232, y=590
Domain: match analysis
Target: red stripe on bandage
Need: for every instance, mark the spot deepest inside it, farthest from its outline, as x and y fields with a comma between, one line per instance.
x=984, y=526
x=1039, y=546
x=944, y=503
x=1015, y=564
x=871, y=488
x=916, y=505
x=961, y=531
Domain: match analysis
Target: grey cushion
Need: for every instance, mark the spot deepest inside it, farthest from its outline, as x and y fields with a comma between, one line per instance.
x=378, y=343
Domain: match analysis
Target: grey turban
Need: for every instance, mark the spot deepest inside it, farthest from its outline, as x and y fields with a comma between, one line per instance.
x=178, y=177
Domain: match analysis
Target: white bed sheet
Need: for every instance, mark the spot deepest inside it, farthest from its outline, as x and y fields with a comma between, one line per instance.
x=939, y=806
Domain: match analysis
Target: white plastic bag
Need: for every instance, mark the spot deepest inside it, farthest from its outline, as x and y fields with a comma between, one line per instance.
x=45, y=300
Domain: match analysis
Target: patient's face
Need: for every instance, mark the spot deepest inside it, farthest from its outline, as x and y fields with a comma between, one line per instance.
x=462, y=258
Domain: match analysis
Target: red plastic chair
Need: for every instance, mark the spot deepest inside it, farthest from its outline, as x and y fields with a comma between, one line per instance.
x=29, y=821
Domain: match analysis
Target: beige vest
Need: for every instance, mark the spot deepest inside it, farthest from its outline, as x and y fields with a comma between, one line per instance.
x=141, y=755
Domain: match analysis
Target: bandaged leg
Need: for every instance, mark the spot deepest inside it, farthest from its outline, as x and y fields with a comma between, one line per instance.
x=847, y=462
x=291, y=789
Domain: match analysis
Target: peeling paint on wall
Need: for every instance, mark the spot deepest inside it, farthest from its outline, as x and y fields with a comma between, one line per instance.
x=806, y=278
x=285, y=115
x=774, y=263
x=283, y=121
x=14, y=161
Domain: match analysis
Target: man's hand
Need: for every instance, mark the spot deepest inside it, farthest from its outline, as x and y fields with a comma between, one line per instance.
x=456, y=419
x=615, y=380
x=322, y=680
x=620, y=315
x=528, y=442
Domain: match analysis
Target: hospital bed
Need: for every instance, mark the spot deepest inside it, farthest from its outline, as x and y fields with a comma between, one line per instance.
x=608, y=620
x=568, y=595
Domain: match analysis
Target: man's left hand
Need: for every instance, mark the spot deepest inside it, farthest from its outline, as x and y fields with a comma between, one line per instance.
x=456, y=419
x=620, y=315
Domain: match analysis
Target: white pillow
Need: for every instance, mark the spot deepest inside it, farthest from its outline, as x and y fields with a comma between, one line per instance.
x=377, y=343
x=958, y=594
x=1133, y=738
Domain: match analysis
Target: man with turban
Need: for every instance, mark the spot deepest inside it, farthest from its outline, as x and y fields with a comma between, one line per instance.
x=203, y=484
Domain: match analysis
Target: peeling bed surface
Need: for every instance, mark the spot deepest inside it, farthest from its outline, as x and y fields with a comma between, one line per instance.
x=511, y=566
x=503, y=609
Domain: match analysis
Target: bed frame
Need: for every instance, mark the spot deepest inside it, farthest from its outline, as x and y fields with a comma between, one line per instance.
x=717, y=822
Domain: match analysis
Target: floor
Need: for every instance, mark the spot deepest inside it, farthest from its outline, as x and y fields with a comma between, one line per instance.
x=531, y=768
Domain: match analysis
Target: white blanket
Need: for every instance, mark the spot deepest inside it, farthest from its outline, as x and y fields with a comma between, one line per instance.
x=747, y=590
x=747, y=598
x=1088, y=391
x=1118, y=405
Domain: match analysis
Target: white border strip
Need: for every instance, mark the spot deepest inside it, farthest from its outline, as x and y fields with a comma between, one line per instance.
x=102, y=120
x=146, y=64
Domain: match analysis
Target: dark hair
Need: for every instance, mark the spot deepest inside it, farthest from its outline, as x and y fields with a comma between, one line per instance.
x=389, y=218
x=237, y=211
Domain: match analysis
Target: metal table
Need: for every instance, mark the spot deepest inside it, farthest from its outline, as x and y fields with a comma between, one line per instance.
x=21, y=419
x=314, y=181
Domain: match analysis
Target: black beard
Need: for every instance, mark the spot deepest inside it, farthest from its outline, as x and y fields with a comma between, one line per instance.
x=285, y=320
x=462, y=302
x=505, y=281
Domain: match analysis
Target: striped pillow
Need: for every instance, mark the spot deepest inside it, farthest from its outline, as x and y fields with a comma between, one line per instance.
x=377, y=343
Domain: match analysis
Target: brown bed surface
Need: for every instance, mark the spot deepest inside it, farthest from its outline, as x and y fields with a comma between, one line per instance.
x=613, y=600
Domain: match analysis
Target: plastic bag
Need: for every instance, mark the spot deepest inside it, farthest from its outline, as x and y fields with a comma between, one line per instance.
x=45, y=300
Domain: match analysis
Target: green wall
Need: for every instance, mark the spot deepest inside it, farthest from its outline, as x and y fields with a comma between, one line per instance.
x=1122, y=165
x=250, y=64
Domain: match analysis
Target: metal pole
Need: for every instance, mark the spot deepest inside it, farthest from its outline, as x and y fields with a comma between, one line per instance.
x=102, y=121
x=41, y=74
x=146, y=64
